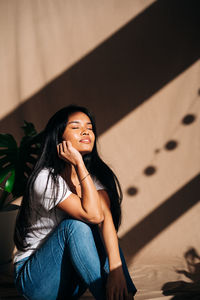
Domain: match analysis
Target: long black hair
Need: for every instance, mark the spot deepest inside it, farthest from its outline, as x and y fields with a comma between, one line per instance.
x=48, y=158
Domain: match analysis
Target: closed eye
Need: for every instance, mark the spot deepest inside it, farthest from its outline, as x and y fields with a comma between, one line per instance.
x=76, y=127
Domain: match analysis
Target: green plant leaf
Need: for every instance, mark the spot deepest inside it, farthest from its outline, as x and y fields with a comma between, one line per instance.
x=10, y=182
x=7, y=141
x=28, y=152
x=4, y=173
x=16, y=163
x=8, y=158
x=29, y=129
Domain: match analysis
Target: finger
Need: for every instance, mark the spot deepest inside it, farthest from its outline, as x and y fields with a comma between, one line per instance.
x=126, y=294
x=121, y=295
x=64, y=144
x=130, y=296
x=61, y=148
x=112, y=296
x=69, y=144
x=58, y=149
x=118, y=296
x=109, y=294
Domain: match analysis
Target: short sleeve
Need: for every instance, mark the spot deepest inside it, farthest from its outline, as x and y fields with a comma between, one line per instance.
x=43, y=190
x=98, y=184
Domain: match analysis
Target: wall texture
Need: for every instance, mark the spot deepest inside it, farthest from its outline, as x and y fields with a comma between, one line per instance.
x=135, y=65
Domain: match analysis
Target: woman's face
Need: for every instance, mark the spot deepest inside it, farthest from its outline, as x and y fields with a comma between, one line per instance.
x=79, y=132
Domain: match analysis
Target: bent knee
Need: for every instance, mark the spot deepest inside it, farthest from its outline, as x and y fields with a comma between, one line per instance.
x=73, y=225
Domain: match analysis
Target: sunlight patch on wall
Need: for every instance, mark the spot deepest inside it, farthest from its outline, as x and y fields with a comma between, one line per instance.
x=152, y=147
x=42, y=39
x=174, y=241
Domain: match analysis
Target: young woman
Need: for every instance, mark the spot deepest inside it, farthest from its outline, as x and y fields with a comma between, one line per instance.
x=66, y=229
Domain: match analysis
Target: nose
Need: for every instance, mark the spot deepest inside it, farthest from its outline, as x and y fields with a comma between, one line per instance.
x=85, y=131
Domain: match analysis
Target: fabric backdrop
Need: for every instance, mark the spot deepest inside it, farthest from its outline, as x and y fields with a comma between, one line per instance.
x=135, y=65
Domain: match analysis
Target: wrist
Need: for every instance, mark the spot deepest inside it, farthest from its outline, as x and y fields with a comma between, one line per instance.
x=114, y=265
x=79, y=163
x=84, y=178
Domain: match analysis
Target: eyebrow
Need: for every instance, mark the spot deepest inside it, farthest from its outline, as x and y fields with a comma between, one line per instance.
x=78, y=122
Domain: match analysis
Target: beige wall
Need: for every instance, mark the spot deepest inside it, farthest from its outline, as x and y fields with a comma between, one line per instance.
x=134, y=64
x=42, y=39
x=130, y=147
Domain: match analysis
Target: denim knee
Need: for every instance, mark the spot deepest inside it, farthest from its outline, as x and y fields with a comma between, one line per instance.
x=74, y=226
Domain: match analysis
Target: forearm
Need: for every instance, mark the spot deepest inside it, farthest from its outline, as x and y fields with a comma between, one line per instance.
x=87, y=206
x=118, y=278
x=90, y=198
x=110, y=240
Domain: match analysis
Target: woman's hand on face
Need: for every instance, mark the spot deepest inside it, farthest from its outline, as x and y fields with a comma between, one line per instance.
x=116, y=288
x=68, y=153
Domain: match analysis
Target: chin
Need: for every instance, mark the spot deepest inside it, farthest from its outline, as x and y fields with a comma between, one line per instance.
x=85, y=151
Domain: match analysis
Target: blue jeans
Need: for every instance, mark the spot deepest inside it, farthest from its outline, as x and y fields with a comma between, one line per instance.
x=71, y=260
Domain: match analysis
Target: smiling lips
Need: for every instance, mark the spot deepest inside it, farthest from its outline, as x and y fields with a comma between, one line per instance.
x=86, y=141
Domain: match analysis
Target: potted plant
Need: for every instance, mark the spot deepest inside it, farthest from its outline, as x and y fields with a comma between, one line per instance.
x=16, y=163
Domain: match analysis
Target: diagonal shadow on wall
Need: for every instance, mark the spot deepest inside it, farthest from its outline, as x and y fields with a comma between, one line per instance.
x=164, y=215
x=124, y=71
x=116, y=78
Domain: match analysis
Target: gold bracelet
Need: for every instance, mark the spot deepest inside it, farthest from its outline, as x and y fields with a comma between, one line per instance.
x=84, y=178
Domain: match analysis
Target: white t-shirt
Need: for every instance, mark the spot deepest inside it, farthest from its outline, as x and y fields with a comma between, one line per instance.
x=45, y=219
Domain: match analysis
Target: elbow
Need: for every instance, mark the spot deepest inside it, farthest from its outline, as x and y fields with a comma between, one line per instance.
x=97, y=219
x=100, y=218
